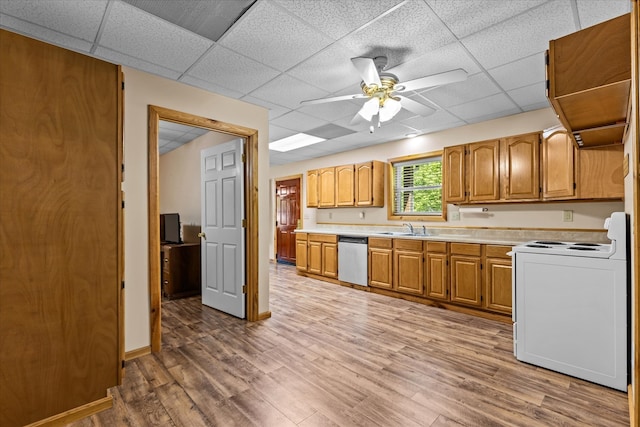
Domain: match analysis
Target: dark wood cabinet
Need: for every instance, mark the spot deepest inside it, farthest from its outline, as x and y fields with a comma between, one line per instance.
x=181, y=271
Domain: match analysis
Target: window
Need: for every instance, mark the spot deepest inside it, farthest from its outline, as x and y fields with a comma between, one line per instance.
x=417, y=187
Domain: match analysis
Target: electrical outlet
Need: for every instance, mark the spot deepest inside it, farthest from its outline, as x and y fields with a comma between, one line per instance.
x=455, y=216
x=567, y=216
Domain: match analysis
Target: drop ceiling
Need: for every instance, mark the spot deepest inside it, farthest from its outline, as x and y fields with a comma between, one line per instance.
x=276, y=53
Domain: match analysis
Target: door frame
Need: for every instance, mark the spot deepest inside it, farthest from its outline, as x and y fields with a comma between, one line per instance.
x=251, y=209
x=275, y=209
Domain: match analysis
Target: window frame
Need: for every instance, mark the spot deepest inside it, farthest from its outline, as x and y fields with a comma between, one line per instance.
x=391, y=215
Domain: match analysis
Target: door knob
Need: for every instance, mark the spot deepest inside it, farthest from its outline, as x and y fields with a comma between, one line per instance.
x=202, y=235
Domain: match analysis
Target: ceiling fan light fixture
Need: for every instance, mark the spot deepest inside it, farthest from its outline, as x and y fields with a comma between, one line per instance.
x=390, y=108
x=369, y=109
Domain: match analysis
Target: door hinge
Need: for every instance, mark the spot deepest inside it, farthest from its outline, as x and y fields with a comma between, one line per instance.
x=122, y=284
x=574, y=185
x=244, y=158
x=122, y=85
x=481, y=298
x=480, y=266
x=122, y=364
x=244, y=223
x=122, y=167
x=123, y=204
x=446, y=291
x=244, y=289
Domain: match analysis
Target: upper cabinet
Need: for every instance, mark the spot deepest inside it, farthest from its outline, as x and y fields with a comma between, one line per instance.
x=483, y=175
x=558, y=166
x=454, y=161
x=348, y=185
x=589, y=81
x=600, y=172
x=520, y=169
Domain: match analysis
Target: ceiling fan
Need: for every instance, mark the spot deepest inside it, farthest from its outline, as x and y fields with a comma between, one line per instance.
x=384, y=90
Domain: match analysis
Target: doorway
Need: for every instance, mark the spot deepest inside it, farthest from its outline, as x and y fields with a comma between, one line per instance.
x=287, y=218
x=251, y=209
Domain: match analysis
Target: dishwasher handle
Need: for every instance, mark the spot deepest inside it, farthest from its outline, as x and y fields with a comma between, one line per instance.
x=353, y=239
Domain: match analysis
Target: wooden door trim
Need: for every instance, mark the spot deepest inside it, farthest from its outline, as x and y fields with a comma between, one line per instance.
x=251, y=209
x=275, y=227
x=634, y=388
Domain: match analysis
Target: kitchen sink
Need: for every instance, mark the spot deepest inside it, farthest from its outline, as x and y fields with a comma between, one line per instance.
x=396, y=233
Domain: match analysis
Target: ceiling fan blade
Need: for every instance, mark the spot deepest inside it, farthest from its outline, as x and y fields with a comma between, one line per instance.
x=447, y=77
x=367, y=69
x=415, y=107
x=333, y=99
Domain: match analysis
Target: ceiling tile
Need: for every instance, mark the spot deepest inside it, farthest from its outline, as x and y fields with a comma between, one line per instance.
x=521, y=36
x=332, y=110
x=401, y=35
x=534, y=94
x=523, y=72
x=483, y=107
x=475, y=87
x=212, y=87
x=74, y=18
x=274, y=110
x=286, y=91
x=592, y=12
x=277, y=132
x=226, y=68
x=120, y=58
x=272, y=36
x=298, y=121
x=137, y=33
x=329, y=131
x=469, y=16
x=495, y=115
x=437, y=121
x=44, y=34
x=446, y=58
x=352, y=14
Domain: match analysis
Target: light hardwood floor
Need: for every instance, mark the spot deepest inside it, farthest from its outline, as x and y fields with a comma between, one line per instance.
x=331, y=355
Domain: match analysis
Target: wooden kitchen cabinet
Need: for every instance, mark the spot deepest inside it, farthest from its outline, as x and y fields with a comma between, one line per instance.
x=519, y=161
x=181, y=270
x=454, y=170
x=484, y=171
x=600, y=174
x=330, y=259
x=322, y=256
x=408, y=267
x=314, y=259
x=312, y=188
x=558, y=166
x=369, y=184
x=301, y=251
x=327, y=187
x=437, y=270
x=465, y=271
x=497, y=280
x=345, y=185
x=380, y=263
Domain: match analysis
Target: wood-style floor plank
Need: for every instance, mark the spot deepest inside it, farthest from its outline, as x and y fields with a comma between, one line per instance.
x=335, y=356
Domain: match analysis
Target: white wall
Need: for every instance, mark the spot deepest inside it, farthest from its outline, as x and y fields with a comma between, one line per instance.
x=524, y=215
x=141, y=90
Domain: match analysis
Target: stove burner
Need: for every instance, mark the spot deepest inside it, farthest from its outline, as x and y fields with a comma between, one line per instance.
x=582, y=248
x=542, y=242
x=533, y=245
x=586, y=244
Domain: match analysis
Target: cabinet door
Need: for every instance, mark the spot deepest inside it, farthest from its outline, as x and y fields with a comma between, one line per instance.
x=370, y=183
x=301, y=255
x=408, y=272
x=600, y=172
x=314, y=260
x=380, y=268
x=498, y=285
x=312, y=188
x=330, y=260
x=327, y=187
x=345, y=186
x=484, y=171
x=454, y=174
x=520, y=167
x=466, y=280
x=437, y=270
x=558, y=166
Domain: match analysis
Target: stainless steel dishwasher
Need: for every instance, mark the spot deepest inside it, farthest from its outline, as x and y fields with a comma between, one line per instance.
x=353, y=260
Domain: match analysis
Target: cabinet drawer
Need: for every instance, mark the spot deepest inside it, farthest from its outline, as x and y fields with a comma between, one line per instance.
x=473, y=249
x=410, y=245
x=324, y=238
x=437, y=247
x=301, y=236
x=380, y=242
x=496, y=251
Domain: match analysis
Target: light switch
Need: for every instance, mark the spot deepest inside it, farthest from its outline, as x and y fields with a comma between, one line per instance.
x=567, y=216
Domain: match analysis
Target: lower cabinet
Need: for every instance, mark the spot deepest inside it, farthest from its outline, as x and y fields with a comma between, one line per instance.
x=330, y=259
x=322, y=254
x=380, y=263
x=437, y=270
x=301, y=251
x=498, y=279
x=408, y=257
x=466, y=278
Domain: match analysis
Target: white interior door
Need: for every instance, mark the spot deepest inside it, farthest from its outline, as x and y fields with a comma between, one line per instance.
x=223, y=251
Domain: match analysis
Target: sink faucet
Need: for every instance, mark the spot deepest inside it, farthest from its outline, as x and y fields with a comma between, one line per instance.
x=410, y=227
x=424, y=230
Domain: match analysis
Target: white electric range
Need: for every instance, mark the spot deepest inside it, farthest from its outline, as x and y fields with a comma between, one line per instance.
x=570, y=306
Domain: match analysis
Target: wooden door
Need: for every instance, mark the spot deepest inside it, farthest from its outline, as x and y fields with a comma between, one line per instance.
x=312, y=188
x=520, y=167
x=327, y=187
x=484, y=171
x=314, y=260
x=558, y=166
x=454, y=173
x=223, y=256
x=466, y=281
x=330, y=260
x=287, y=217
x=437, y=270
x=498, y=285
x=60, y=222
x=345, y=185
